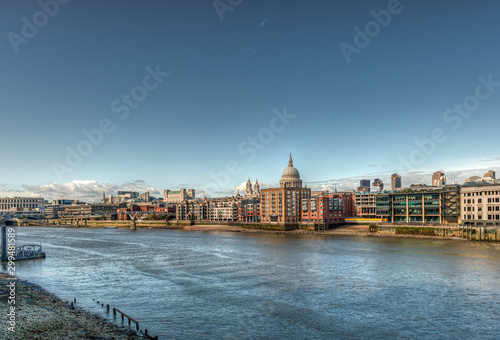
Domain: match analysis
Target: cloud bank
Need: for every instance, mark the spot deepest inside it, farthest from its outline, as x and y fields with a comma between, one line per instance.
x=83, y=190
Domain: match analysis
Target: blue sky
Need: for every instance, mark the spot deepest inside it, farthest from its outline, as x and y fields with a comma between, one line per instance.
x=225, y=80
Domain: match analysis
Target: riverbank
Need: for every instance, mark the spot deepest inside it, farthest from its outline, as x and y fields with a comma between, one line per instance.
x=345, y=230
x=42, y=315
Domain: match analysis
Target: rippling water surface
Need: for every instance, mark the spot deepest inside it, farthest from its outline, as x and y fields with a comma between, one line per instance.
x=198, y=285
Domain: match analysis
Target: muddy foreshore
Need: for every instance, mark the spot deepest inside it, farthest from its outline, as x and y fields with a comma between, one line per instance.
x=346, y=230
x=42, y=315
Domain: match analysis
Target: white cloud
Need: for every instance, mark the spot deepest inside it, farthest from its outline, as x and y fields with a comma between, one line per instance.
x=84, y=190
x=491, y=159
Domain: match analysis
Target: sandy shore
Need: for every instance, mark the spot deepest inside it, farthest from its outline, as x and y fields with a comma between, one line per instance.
x=41, y=315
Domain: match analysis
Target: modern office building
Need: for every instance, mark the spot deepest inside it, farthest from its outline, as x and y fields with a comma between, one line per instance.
x=395, y=182
x=480, y=205
x=365, y=204
x=91, y=210
x=284, y=204
x=438, y=179
x=126, y=196
x=364, y=186
x=54, y=210
x=430, y=205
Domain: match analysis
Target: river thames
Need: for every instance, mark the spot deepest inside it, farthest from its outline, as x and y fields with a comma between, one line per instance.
x=219, y=285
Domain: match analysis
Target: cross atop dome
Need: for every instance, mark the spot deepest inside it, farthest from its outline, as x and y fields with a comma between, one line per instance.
x=290, y=161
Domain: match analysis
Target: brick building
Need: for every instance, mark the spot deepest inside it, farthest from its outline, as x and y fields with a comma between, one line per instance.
x=284, y=204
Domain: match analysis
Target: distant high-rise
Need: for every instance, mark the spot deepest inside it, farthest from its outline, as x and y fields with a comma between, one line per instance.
x=438, y=179
x=364, y=186
x=395, y=182
x=364, y=183
x=490, y=174
x=378, y=183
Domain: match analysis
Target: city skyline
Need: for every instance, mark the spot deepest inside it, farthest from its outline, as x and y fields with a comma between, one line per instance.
x=243, y=88
x=92, y=191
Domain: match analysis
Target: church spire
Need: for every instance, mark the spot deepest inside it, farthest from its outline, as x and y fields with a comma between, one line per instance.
x=290, y=161
x=248, y=190
x=256, y=187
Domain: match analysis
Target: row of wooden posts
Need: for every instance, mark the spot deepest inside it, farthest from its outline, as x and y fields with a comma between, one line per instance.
x=478, y=233
x=123, y=315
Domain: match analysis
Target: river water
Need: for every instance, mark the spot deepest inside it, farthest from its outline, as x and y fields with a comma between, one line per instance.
x=214, y=285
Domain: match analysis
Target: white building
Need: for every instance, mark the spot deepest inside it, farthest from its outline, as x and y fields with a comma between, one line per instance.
x=480, y=205
x=22, y=204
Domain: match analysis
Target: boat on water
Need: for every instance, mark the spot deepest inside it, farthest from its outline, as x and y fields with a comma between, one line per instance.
x=28, y=252
x=25, y=252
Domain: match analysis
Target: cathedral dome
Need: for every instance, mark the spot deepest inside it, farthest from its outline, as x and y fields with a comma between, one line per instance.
x=291, y=172
x=291, y=176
